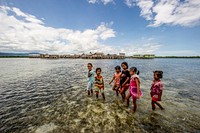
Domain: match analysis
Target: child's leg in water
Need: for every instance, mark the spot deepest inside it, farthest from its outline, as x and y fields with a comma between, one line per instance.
x=135, y=105
x=117, y=90
x=89, y=88
x=97, y=94
x=91, y=92
x=153, y=105
x=113, y=88
x=123, y=94
x=88, y=92
x=159, y=105
x=103, y=96
x=127, y=99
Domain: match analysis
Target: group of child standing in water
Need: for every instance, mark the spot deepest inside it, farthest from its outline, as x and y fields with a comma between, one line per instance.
x=125, y=80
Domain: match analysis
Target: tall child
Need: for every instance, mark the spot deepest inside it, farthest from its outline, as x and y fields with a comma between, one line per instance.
x=135, y=91
x=125, y=80
x=90, y=75
x=156, y=90
x=99, y=84
x=116, y=79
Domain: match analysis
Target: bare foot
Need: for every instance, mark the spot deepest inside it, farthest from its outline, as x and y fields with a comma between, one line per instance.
x=104, y=100
x=125, y=105
x=132, y=111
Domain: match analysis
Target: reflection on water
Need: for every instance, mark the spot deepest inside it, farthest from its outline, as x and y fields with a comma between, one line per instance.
x=40, y=96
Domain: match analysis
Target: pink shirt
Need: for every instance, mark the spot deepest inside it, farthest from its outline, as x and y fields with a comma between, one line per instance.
x=117, y=78
x=156, y=87
x=133, y=82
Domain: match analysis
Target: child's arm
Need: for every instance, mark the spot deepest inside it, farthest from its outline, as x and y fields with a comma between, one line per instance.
x=138, y=86
x=160, y=95
x=127, y=79
x=161, y=90
x=89, y=74
x=112, y=80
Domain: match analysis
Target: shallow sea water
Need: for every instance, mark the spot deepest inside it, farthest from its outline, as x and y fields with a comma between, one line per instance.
x=48, y=96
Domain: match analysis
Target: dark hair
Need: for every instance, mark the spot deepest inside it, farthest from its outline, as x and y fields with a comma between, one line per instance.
x=90, y=64
x=125, y=63
x=135, y=70
x=98, y=69
x=158, y=73
x=118, y=68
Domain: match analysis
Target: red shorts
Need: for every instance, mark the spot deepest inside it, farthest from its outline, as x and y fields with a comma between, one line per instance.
x=124, y=88
x=156, y=98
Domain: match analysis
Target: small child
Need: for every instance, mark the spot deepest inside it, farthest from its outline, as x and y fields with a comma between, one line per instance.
x=116, y=79
x=135, y=91
x=125, y=80
x=90, y=76
x=99, y=83
x=156, y=90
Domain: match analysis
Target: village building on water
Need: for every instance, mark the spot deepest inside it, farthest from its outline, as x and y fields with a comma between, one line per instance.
x=97, y=55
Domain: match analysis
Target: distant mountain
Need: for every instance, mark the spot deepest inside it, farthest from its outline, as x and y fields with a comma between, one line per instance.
x=17, y=54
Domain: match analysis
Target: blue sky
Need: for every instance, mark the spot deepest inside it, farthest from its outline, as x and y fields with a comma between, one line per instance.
x=165, y=27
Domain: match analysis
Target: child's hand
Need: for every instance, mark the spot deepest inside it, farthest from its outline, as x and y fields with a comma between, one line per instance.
x=138, y=96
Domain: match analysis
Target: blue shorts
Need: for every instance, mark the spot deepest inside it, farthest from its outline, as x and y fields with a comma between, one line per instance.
x=89, y=85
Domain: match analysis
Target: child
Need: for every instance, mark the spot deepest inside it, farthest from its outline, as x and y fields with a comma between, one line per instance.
x=135, y=91
x=125, y=79
x=116, y=79
x=99, y=83
x=90, y=79
x=156, y=90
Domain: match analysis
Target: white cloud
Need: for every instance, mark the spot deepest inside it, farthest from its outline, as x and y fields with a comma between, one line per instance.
x=170, y=12
x=145, y=6
x=176, y=13
x=22, y=32
x=28, y=33
x=130, y=3
x=93, y=1
x=27, y=17
x=105, y=2
x=148, y=48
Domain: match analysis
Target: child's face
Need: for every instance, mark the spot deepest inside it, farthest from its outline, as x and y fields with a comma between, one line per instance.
x=131, y=72
x=118, y=70
x=98, y=72
x=124, y=66
x=155, y=76
x=89, y=67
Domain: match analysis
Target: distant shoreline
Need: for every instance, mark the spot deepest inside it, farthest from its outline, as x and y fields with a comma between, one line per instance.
x=125, y=57
x=177, y=57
